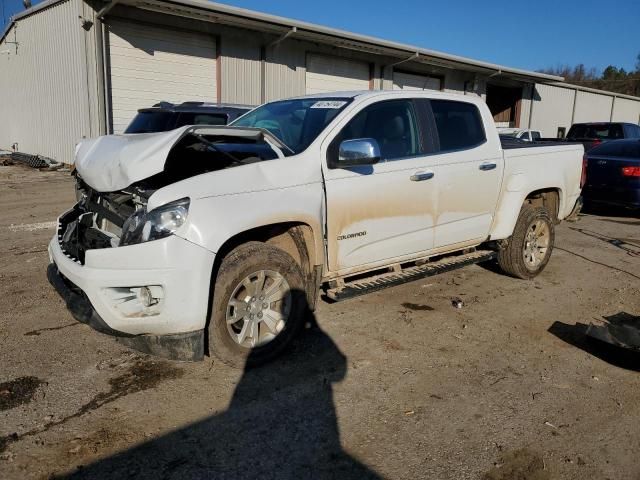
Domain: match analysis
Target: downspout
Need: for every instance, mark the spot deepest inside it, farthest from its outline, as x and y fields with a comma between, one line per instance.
x=415, y=56
x=282, y=37
x=103, y=57
x=383, y=68
x=613, y=104
x=533, y=98
x=575, y=101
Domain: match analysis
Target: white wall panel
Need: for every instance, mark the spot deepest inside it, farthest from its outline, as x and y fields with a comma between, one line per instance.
x=626, y=110
x=285, y=71
x=552, y=108
x=410, y=81
x=592, y=107
x=44, y=98
x=241, y=70
x=149, y=64
x=330, y=74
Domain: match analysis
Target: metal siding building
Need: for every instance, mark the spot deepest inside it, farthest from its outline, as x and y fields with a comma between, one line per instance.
x=47, y=103
x=71, y=69
x=552, y=108
x=559, y=105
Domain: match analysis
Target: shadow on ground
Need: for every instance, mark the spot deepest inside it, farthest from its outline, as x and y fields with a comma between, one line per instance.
x=576, y=335
x=281, y=423
x=623, y=216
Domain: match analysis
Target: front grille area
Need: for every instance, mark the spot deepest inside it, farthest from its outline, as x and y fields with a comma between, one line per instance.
x=76, y=234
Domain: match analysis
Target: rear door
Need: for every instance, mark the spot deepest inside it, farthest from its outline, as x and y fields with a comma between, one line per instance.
x=470, y=167
x=384, y=211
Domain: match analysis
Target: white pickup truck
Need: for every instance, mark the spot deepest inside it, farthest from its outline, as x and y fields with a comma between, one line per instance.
x=224, y=236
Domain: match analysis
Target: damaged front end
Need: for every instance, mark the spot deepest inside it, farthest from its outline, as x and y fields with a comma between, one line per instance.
x=132, y=190
x=98, y=220
x=117, y=176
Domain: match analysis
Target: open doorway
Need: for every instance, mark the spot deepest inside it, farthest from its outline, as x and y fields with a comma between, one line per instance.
x=504, y=103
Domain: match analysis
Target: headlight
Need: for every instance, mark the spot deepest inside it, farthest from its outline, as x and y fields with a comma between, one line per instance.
x=160, y=222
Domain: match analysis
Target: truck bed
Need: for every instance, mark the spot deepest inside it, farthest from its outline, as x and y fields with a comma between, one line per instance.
x=508, y=144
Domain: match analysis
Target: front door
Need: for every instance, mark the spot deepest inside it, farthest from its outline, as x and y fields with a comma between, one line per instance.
x=385, y=211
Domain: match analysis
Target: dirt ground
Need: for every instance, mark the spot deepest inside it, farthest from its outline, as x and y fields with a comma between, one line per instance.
x=398, y=384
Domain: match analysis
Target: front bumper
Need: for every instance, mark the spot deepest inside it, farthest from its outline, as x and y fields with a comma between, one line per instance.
x=105, y=293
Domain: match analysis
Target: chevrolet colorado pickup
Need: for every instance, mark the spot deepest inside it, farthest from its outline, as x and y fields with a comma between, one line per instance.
x=224, y=236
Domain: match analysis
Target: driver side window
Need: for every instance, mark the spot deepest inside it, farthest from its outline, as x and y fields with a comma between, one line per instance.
x=391, y=123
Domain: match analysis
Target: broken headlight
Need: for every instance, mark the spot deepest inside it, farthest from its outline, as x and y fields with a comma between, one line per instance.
x=160, y=222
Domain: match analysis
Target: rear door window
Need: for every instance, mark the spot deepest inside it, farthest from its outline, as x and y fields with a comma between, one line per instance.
x=191, y=118
x=459, y=125
x=150, y=121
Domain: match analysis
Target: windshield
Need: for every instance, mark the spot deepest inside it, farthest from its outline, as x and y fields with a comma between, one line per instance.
x=296, y=123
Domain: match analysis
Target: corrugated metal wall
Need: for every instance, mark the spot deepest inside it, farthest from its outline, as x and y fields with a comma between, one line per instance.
x=592, y=107
x=327, y=73
x=52, y=85
x=626, y=110
x=285, y=71
x=44, y=90
x=552, y=108
x=241, y=69
x=150, y=64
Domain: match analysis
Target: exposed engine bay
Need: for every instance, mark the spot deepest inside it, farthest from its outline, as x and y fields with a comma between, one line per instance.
x=108, y=219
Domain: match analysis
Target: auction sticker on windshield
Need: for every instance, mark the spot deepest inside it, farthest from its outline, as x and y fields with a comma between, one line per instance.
x=329, y=104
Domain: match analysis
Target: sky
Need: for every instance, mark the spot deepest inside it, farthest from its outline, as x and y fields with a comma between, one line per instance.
x=522, y=34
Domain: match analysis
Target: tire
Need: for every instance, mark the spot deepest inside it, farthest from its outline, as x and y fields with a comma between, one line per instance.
x=237, y=344
x=515, y=259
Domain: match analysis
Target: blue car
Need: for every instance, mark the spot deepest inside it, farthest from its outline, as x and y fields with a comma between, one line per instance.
x=613, y=174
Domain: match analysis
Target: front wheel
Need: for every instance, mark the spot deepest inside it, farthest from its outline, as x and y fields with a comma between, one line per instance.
x=529, y=248
x=258, y=305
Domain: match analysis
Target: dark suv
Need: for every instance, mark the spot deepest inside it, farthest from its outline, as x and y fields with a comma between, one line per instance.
x=166, y=116
x=594, y=133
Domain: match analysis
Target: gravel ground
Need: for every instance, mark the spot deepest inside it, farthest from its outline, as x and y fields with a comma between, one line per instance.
x=398, y=384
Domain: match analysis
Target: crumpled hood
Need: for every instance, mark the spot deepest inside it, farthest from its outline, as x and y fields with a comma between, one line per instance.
x=113, y=162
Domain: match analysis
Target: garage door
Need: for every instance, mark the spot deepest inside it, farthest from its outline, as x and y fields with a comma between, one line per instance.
x=332, y=74
x=149, y=64
x=410, y=81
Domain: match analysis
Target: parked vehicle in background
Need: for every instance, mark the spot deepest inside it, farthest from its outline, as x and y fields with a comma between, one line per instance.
x=613, y=174
x=347, y=192
x=594, y=133
x=523, y=134
x=165, y=116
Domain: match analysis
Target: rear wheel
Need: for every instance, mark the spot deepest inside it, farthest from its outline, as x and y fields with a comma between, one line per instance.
x=529, y=248
x=258, y=305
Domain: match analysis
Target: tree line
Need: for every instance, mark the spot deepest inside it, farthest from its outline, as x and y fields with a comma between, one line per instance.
x=611, y=78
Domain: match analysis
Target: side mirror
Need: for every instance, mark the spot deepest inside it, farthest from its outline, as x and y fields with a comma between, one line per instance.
x=358, y=152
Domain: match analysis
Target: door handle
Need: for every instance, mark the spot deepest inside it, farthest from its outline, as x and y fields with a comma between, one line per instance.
x=420, y=176
x=487, y=166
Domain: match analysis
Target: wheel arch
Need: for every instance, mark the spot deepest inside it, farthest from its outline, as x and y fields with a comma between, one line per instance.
x=550, y=198
x=298, y=239
x=512, y=201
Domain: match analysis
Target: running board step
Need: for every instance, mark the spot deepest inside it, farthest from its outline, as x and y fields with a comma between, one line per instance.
x=409, y=274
